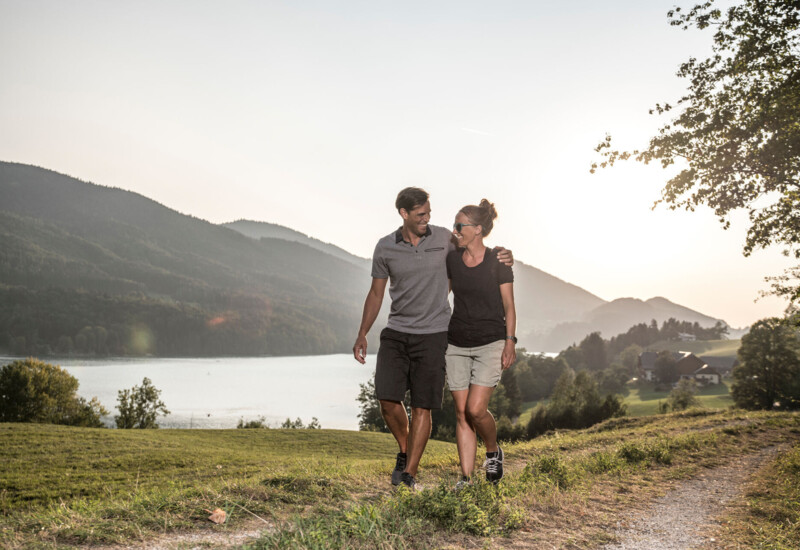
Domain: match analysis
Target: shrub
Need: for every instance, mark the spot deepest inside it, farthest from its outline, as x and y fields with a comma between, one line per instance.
x=34, y=391
x=140, y=406
x=297, y=424
x=551, y=469
x=634, y=452
x=481, y=509
x=575, y=403
x=683, y=396
x=601, y=462
x=506, y=431
x=260, y=422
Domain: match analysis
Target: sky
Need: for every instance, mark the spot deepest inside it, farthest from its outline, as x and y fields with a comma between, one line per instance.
x=314, y=114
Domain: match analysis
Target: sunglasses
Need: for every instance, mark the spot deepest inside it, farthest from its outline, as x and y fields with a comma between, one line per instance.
x=459, y=226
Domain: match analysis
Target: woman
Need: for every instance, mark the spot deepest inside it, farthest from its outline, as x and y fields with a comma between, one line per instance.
x=481, y=340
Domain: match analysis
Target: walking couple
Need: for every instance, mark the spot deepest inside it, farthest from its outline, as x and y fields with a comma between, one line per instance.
x=422, y=341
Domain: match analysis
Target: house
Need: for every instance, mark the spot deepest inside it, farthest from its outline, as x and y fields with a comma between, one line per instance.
x=685, y=337
x=647, y=364
x=707, y=375
x=687, y=364
x=723, y=365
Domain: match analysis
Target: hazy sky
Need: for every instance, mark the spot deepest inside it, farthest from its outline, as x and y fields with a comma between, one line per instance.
x=314, y=115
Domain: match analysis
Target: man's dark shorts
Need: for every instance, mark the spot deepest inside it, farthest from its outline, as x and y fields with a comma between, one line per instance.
x=411, y=362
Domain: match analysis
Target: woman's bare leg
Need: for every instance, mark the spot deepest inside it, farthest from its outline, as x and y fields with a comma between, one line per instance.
x=465, y=434
x=480, y=418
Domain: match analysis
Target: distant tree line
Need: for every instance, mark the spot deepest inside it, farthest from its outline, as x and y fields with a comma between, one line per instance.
x=644, y=335
x=579, y=387
x=66, y=322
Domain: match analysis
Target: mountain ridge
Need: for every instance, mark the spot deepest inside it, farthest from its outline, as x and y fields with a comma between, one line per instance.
x=277, y=290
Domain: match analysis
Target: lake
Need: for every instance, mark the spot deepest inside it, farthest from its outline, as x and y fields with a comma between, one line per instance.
x=217, y=392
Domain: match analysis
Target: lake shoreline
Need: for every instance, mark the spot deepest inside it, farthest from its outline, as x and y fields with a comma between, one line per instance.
x=215, y=393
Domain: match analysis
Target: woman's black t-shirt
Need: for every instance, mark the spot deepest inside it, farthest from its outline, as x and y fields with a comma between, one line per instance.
x=478, y=314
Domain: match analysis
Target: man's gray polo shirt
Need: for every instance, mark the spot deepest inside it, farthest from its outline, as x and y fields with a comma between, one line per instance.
x=418, y=283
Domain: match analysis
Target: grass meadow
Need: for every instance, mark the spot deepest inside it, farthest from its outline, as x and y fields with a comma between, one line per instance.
x=643, y=400
x=711, y=348
x=68, y=487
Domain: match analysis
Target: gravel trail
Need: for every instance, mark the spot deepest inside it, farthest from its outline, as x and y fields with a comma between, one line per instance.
x=687, y=516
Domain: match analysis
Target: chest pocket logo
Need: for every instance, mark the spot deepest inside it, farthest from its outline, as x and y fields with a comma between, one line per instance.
x=436, y=249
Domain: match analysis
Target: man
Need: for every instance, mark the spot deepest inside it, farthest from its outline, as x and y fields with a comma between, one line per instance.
x=412, y=348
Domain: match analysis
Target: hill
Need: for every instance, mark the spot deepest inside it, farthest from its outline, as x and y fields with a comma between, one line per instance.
x=543, y=302
x=543, y=299
x=137, y=277
x=89, y=269
x=266, y=230
x=617, y=316
x=81, y=487
x=707, y=348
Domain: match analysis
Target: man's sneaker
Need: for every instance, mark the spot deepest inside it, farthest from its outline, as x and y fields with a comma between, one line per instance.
x=494, y=466
x=399, y=466
x=408, y=480
x=463, y=483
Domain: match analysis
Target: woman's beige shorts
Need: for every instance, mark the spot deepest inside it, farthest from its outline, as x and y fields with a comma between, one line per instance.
x=480, y=366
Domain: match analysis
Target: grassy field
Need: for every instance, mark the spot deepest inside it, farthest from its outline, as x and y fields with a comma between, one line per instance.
x=712, y=348
x=68, y=487
x=527, y=410
x=643, y=400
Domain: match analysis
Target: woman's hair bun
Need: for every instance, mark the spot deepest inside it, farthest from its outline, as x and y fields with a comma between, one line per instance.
x=491, y=213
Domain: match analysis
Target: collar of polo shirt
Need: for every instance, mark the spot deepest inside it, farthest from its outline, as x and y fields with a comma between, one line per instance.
x=398, y=235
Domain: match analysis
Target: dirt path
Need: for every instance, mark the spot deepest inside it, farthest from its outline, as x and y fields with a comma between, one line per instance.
x=210, y=537
x=687, y=516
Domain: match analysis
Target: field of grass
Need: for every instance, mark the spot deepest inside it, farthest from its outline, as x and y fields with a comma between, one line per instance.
x=72, y=485
x=771, y=516
x=643, y=400
x=712, y=348
x=527, y=410
x=66, y=487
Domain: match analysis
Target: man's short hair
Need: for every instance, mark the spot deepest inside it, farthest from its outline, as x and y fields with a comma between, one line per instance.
x=410, y=198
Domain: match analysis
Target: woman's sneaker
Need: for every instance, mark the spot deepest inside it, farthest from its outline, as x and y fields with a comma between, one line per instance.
x=463, y=483
x=399, y=466
x=494, y=466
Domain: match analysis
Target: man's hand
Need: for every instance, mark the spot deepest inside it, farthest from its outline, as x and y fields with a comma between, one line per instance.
x=360, y=349
x=504, y=255
x=372, y=305
x=509, y=354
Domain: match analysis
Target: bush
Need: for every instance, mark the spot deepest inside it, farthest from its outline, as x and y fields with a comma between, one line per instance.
x=506, y=431
x=575, y=404
x=551, y=469
x=140, y=406
x=260, y=422
x=683, y=396
x=633, y=452
x=34, y=391
x=297, y=424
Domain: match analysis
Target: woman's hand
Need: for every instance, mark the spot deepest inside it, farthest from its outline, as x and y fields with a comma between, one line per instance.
x=509, y=354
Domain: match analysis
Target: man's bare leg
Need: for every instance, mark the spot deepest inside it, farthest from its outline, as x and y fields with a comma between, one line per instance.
x=418, y=438
x=396, y=418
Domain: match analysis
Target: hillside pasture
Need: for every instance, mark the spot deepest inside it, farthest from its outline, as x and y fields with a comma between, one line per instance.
x=642, y=399
x=72, y=487
x=710, y=348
